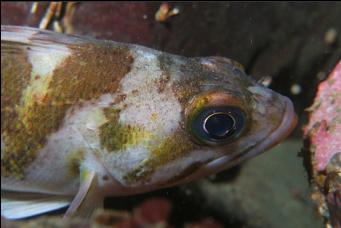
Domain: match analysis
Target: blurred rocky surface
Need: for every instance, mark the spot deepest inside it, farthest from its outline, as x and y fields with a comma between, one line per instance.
x=323, y=148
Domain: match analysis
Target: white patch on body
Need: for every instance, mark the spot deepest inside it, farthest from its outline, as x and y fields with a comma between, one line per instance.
x=44, y=60
x=144, y=106
x=155, y=111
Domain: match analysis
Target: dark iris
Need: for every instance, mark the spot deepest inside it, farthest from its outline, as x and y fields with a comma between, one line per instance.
x=218, y=125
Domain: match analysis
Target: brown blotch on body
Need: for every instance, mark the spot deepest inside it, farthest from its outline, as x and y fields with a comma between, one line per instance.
x=135, y=92
x=185, y=90
x=15, y=77
x=162, y=82
x=190, y=83
x=165, y=63
x=120, y=98
x=91, y=71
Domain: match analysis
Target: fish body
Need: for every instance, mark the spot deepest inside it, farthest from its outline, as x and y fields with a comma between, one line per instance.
x=82, y=119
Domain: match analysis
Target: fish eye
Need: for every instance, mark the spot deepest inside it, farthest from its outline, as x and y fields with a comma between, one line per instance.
x=217, y=125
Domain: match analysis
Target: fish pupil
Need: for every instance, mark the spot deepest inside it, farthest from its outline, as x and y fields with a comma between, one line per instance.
x=219, y=125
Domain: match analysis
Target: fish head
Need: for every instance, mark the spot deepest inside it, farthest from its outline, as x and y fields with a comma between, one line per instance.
x=230, y=116
x=225, y=118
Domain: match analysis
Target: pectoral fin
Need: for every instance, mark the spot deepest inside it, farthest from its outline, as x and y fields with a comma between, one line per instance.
x=18, y=205
x=88, y=197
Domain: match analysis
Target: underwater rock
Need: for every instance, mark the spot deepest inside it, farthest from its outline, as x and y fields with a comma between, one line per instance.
x=323, y=148
x=154, y=211
x=205, y=223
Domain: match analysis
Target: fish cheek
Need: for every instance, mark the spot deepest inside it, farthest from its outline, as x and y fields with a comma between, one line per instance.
x=115, y=136
x=184, y=173
x=173, y=148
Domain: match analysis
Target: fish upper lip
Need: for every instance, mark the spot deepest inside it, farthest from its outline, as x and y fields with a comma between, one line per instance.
x=286, y=126
x=283, y=130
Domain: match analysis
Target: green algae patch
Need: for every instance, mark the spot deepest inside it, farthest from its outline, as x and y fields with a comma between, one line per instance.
x=89, y=72
x=74, y=160
x=143, y=171
x=172, y=149
x=115, y=136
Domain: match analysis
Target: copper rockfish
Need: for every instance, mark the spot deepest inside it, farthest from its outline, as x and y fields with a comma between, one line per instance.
x=82, y=119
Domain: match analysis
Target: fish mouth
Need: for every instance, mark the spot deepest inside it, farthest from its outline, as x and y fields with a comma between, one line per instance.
x=287, y=125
